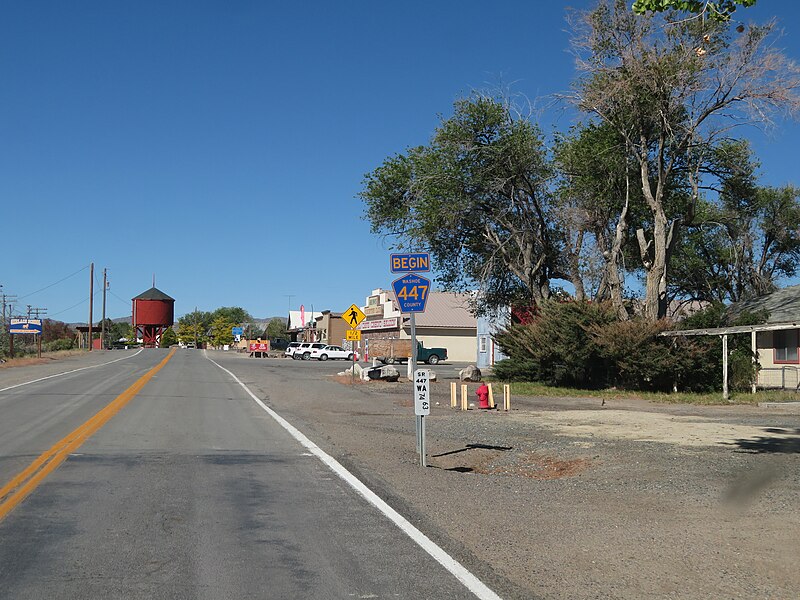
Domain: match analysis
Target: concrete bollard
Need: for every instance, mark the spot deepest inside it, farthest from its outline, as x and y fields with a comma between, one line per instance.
x=453, y=395
x=506, y=397
x=464, y=405
x=491, y=396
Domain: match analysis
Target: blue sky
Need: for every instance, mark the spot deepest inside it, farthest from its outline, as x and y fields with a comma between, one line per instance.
x=221, y=145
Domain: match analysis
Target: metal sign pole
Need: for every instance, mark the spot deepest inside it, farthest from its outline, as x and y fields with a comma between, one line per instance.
x=419, y=418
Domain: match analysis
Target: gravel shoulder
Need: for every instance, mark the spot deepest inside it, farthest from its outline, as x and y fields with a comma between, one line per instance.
x=568, y=498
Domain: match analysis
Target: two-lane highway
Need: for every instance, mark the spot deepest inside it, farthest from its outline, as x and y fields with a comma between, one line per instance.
x=190, y=489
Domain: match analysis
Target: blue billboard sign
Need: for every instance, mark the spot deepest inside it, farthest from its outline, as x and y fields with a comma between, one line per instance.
x=237, y=330
x=412, y=292
x=19, y=326
x=410, y=263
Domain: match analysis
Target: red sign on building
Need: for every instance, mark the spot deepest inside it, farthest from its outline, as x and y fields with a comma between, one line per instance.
x=259, y=346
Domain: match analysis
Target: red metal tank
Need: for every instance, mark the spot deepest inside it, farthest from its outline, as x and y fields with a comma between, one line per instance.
x=153, y=312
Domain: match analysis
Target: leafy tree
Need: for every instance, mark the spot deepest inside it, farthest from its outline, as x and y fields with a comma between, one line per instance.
x=477, y=197
x=742, y=244
x=276, y=329
x=598, y=206
x=233, y=314
x=222, y=331
x=719, y=11
x=193, y=327
x=670, y=94
x=168, y=338
x=56, y=330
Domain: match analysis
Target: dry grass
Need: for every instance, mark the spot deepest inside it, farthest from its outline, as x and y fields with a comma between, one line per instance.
x=26, y=361
x=715, y=398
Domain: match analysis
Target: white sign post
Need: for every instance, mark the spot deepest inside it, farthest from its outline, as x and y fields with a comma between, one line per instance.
x=422, y=407
x=422, y=392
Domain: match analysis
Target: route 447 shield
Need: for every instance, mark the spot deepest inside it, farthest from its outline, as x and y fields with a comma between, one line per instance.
x=412, y=292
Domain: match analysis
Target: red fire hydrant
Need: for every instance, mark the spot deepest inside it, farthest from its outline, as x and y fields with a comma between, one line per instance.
x=483, y=396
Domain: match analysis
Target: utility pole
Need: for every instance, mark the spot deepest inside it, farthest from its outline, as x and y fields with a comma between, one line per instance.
x=7, y=301
x=103, y=323
x=195, y=327
x=91, y=302
x=38, y=313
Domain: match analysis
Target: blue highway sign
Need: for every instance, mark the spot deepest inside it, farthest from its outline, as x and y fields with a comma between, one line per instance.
x=412, y=292
x=410, y=263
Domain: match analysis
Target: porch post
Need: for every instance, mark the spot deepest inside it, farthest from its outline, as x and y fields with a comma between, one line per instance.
x=754, y=350
x=725, y=366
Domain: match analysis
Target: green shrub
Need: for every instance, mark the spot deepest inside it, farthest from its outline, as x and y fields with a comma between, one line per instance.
x=511, y=369
x=581, y=344
x=556, y=347
x=636, y=357
x=62, y=344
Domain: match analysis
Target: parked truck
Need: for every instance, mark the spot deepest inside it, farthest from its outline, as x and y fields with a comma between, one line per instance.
x=394, y=350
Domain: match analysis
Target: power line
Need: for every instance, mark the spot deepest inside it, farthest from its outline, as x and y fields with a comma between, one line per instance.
x=52, y=284
x=117, y=297
x=84, y=301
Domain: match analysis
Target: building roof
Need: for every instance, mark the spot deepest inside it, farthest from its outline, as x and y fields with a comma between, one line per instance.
x=783, y=305
x=153, y=294
x=446, y=309
x=295, y=323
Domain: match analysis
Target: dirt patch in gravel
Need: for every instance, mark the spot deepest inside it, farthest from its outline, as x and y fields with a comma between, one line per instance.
x=498, y=460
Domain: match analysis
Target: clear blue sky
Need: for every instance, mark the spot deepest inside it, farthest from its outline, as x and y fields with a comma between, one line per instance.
x=221, y=145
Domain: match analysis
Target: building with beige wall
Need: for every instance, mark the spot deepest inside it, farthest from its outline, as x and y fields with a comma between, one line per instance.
x=446, y=323
x=331, y=328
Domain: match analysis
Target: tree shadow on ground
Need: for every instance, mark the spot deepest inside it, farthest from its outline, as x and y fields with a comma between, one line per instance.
x=785, y=441
x=476, y=460
x=473, y=447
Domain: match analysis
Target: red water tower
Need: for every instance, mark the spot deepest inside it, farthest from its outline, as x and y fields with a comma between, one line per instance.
x=153, y=312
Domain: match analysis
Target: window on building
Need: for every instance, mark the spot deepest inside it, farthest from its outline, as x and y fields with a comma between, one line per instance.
x=483, y=343
x=785, y=343
x=373, y=301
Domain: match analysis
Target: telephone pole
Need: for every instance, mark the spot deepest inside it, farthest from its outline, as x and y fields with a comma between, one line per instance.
x=91, y=302
x=38, y=313
x=103, y=322
x=7, y=301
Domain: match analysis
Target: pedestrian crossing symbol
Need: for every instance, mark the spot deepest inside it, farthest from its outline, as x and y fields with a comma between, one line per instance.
x=353, y=316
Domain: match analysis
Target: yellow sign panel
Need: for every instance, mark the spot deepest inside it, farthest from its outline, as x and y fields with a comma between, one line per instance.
x=353, y=316
x=353, y=335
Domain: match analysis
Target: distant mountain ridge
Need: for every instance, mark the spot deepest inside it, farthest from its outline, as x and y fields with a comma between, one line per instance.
x=259, y=322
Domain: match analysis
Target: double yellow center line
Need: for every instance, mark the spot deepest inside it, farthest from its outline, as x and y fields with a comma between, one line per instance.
x=16, y=490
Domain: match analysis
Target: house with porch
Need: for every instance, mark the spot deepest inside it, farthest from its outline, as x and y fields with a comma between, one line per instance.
x=775, y=343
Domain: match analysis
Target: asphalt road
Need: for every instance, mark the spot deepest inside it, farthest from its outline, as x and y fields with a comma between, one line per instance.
x=191, y=490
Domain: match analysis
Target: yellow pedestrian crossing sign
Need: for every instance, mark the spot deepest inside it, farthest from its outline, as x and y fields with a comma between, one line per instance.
x=353, y=316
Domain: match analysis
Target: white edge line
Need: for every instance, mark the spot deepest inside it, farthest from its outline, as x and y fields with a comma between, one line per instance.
x=472, y=583
x=73, y=371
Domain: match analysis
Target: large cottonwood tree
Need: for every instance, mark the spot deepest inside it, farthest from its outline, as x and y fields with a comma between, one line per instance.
x=673, y=92
x=478, y=197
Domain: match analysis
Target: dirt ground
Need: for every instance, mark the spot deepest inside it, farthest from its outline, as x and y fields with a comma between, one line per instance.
x=568, y=498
